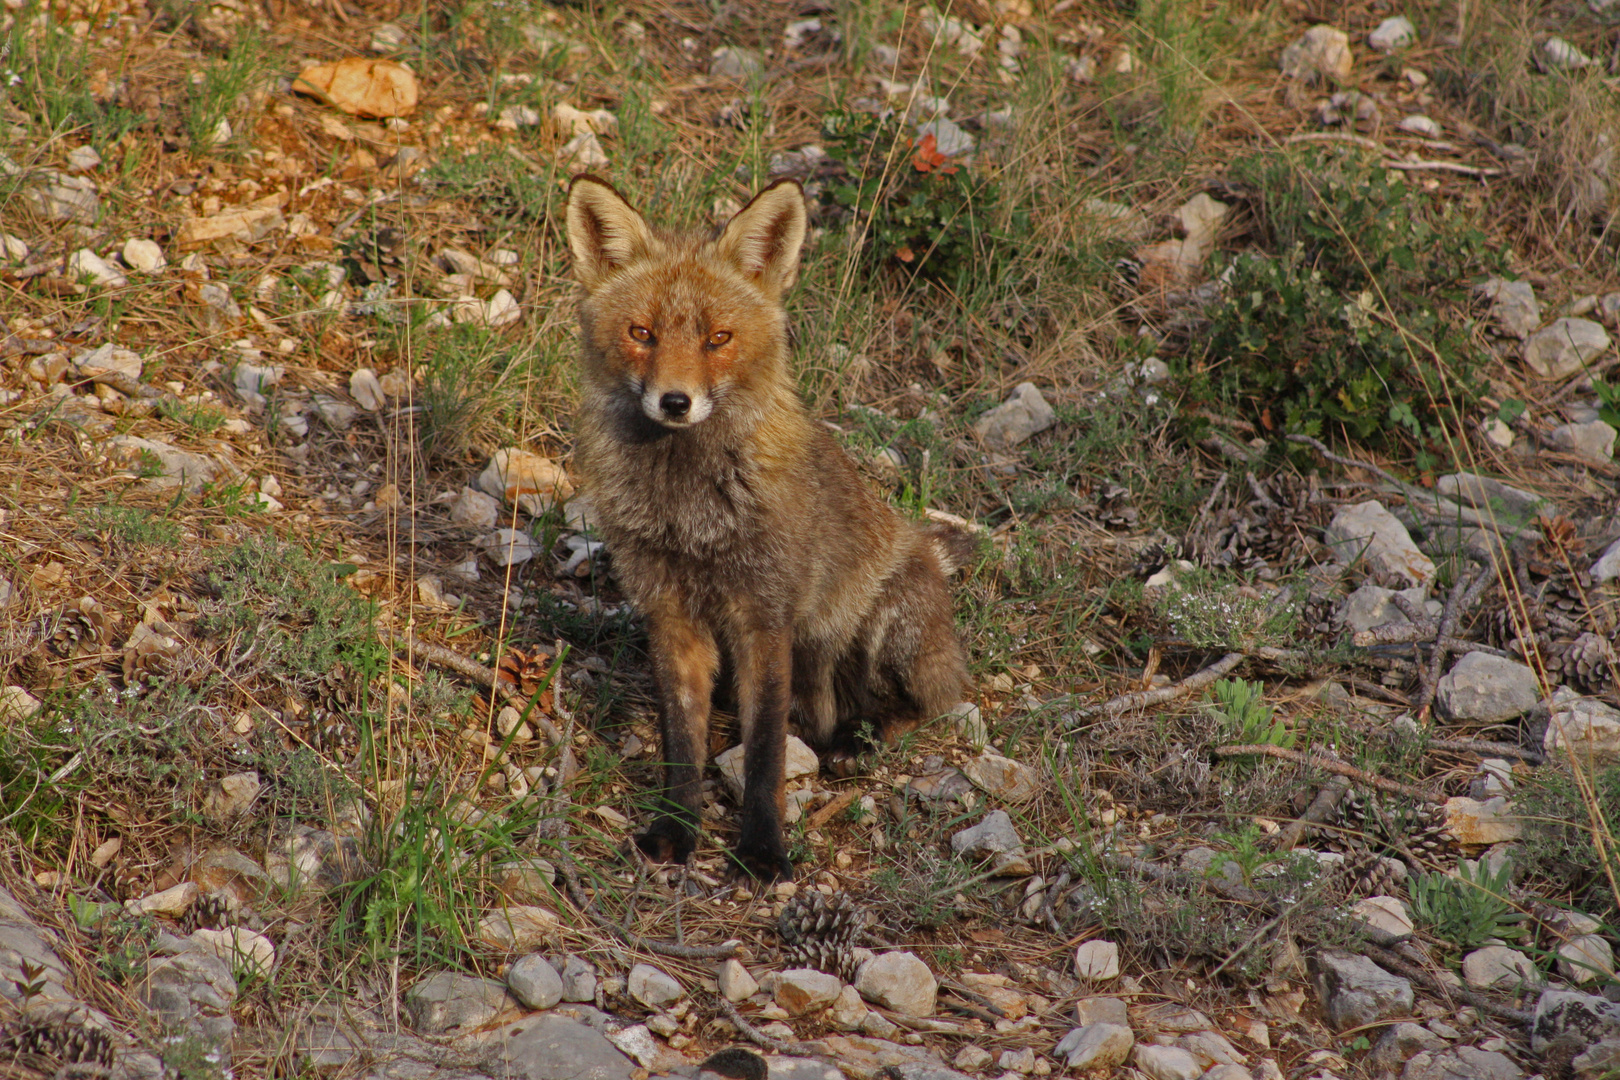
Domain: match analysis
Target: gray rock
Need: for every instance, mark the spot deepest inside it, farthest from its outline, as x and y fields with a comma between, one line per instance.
x=83, y=158
x=1572, y=1021
x=448, y=1001
x=1487, y=688
x=85, y=263
x=731, y=62
x=578, y=979
x=57, y=196
x=1386, y=914
x=652, y=987
x=1608, y=307
x=1461, y=1063
x=554, y=1047
x=534, y=982
x=1101, y=1010
x=1398, y=1043
x=174, y=467
x=898, y=981
x=1497, y=967
x=1514, y=307
x=1586, y=726
x=972, y=1058
x=805, y=990
x=1585, y=959
x=1096, y=1046
x=1600, y=1061
x=1593, y=440
x=192, y=992
x=913, y=1070
x=1322, y=53
x=949, y=138
x=316, y=857
x=1607, y=567
x=1097, y=960
x=1373, y=605
x=1023, y=414
x=940, y=787
x=1228, y=1072
x=1355, y=992
x=994, y=839
x=1495, y=777
x=797, y=1068
x=1368, y=531
x=1166, y=1062
x=1418, y=124
x=1564, y=346
x=1395, y=32
x=1509, y=503
x=1006, y=779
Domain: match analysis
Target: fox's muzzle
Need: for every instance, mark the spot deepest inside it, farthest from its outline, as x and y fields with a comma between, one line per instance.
x=676, y=408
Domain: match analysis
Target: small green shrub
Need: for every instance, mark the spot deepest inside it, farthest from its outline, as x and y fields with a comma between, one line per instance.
x=1210, y=612
x=1245, y=718
x=1558, y=846
x=130, y=525
x=1469, y=909
x=1303, y=340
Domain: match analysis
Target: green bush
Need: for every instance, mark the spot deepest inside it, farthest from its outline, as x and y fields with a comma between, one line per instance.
x=1469, y=909
x=1332, y=331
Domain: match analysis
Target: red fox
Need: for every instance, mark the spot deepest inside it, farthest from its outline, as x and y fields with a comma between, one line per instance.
x=737, y=526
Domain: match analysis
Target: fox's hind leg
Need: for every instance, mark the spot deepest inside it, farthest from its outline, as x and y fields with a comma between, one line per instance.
x=685, y=659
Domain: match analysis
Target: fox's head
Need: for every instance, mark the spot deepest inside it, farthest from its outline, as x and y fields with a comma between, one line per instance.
x=683, y=323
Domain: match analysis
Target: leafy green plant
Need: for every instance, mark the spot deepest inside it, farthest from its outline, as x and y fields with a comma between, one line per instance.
x=51, y=79
x=1469, y=909
x=911, y=205
x=1345, y=325
x=215, y=95
x=131, y=525
x=1608, y=394
x=1210, y=612
x=1245, y=718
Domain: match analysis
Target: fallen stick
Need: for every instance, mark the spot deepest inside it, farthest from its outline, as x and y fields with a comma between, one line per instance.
x=1315, y=814
x=1360, y=776
x=576, y=891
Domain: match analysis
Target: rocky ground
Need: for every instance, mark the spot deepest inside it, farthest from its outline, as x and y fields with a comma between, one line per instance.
x=1267, y=351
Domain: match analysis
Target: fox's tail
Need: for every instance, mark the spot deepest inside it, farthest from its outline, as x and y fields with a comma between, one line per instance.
x=954, y=545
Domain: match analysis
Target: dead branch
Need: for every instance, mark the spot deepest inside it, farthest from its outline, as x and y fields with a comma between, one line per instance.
x=1326, y=801
x=1394, y=787
x=583, y=901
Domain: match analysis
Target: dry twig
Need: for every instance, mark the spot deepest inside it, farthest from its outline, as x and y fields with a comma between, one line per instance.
x=1394, y=787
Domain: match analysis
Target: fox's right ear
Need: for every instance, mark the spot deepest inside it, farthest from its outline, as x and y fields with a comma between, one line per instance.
x=604, y=232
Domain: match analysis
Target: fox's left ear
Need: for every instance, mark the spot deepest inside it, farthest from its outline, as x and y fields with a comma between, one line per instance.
x=765, y=236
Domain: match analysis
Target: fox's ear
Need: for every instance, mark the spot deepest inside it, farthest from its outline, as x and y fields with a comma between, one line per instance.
x=604, y=232
x=765, y=236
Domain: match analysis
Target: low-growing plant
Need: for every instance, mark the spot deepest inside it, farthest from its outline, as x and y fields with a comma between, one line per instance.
x=1245, y=718
x=1209, y=612
x=49, y=76
x=1469, y=909
x=131, y=525
x=218, y=88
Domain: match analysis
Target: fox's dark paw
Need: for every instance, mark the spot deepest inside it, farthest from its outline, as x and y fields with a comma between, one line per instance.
x=763, y=858
x=668, y=841
x=841, y=763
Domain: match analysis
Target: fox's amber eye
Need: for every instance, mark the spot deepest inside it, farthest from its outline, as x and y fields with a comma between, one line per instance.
x=641, y=333
x=719, y=338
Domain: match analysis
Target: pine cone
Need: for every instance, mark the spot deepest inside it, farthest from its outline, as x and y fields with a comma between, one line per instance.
x=1370, y=822
x=820, y=931
x=212, y=911
x=1368, y=874
x=1586, y=664
x=79, y=627
x=58, y=1046
x=1112, y=507
x=336, y=700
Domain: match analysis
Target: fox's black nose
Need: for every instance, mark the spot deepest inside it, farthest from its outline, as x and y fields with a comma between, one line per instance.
x=675, y=404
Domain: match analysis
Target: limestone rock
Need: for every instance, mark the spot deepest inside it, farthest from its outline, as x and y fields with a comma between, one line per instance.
x=1591, y=441
x=653, y=988
x=898, y=981
x=526, y=480
x=1607, y=567
x=1323, y=53
x=556, y=1047
x=534, y=982
x=473, y=507
x=805, y=990
x=1097, y=960
x=1355, y=992
x=1095, y=1046
x=736, y=984
x=1023, y=414
x=518, y=926
x=1486, y=688
x=1368, y=531
x=1514, y=307
x=1101, y=1010
x=143, y=255
x=361, y=86
x=1385, y=913
x=1585, y=727
x=1373, y=605
x=191, y=991
x=239, y=947
x=1005, y=779
x=994, y=839
x=1564, y=346
x=1395, y=32
x=1513, y=505
x=1166, y=1062
x=448, y=1001
x=1398, y=1043
x=1585, y=959
x=579, y=979
x=1480, y=824
x=1460, y=1061
x=1497, y=967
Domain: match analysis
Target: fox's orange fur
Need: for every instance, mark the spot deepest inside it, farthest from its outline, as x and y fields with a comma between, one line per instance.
x=737, y=525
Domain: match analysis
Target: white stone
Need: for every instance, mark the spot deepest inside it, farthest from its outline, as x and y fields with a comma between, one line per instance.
x=1002, y=777
x=805, y=990
x=652, y=987
x=1373, y=605
x=584, y=152
x=1585, y=959
x=1488, y=493
x=365, y=388
x=513, y=117
x=83, y=159
x=1385, y=913
x=1395, y=32
x=1514, y=307
x=736, y=984
x=518, y=926
x=1497, y=967
x=1592, y=441
x=731, y=62
x=950, y=138
x=472, y=507
x=1418, y=124
x=1166, y=1062
x=969, y=722
x=1323, y=52
x=239, y=947
x=1487, y=688
x=799, y=760
x=1607, y=567
x=1480, y=824
x=1023, y=414
x=1097, y=960
x=994, y=839
x=525, y=479
x=1558, y=54
x=971, y=1058
x=1564, y=347
x=1367, y=530
x=143, y=255
x=86, y=263
x=898, y=981
x=1497, y=433
x=172, y=902
x=847, y=1012
x=1582, y=727
x=1095, y=1047
x=534, y=982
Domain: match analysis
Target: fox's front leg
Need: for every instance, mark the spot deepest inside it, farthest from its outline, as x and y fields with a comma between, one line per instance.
x=764, y=694
x=685, y=660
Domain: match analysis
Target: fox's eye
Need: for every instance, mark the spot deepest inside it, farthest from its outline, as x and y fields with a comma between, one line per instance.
x=719, y=338
x=641, y=333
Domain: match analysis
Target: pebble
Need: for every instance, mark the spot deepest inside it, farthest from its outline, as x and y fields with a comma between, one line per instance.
x=83, y=159
x=1476, y=823
x=805, y=990
x=1166, y=1062
x=534, y=982
x=579, y=979
x=144, y=255
x=1101, y=1010
x=1514, y=307
x=898, y=981
x=1097, y=960
x=1025, y=413
x=1586, y=726
x=1385, y=913
x=1006, y=779
x=1418, y=124
x=1560, y=55
x=1488, y=689
x=736, y=984
x=517, y=926
x=731, y=62
x=652, y=987
x=86, y=263
x=1585, y=959
x=1395, y=32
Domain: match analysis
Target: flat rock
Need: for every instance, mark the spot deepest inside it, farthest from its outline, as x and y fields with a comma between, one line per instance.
x=1488, y=689
x=736, y=984
x=1023, y=414
x=448, y=1001
x=1096, y=1046
x=731, y=62
x=1096, y=960
x=805, y=990
x=109, y=357
x=1398, y=1043
x=1323, y=52
x=1592, y=440
x=898, y=981
x=191, y=991
x=239, y=947
x=1368, y=531
x=939, y=787
x=554, y=1047
x=1600, y=1061
x=1573, y=1021
x=526, y=480
x=85, y=263
x=174, y=467
x=1480, y=824
x=1585, y=959
x=1355, y=992
x=1166, y=1062
x=518, y=926
x=994, y=839
x=579, y=979
x=1005, y=779
x=847, y=1012
x=534, y=982
x=1461, y=1061
x=1373, y=605
x=1497, y=967
x=1564, y=346
x=171, y=903
x=1101, y=1010
x=473, y=507
x=652, y=987
x=1385, y=913
x=1395, y=32
x=1586, y=727
x=1514, y=307
x=1508, y=503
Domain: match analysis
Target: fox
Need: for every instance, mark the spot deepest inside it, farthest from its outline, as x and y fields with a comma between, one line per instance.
x=737, y=526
